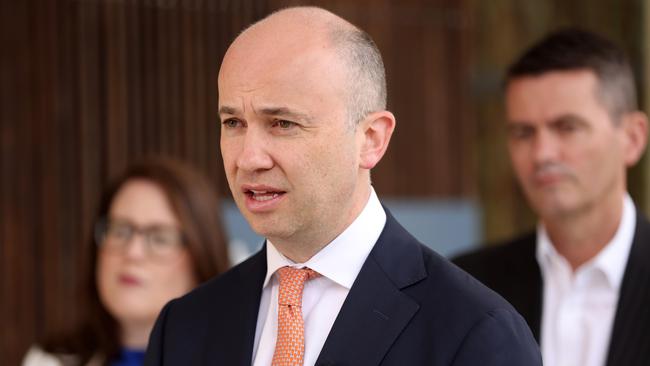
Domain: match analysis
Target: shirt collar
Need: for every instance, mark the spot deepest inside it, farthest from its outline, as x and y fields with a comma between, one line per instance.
x=340, y=260
x=611, y=260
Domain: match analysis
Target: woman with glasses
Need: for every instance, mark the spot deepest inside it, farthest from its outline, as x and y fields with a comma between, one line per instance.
x=157, y=235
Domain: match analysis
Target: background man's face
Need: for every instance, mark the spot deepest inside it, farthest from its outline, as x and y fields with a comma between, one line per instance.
x=565, y=149
x=290, y=157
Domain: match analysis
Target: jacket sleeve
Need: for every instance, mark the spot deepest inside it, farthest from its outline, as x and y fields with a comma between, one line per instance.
x=500, y=338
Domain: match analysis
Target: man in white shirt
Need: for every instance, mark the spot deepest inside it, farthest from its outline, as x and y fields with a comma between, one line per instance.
x=302, y=101
x=582, y=281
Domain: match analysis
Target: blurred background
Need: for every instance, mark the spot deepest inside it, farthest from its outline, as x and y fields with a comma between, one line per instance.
x=88, y=86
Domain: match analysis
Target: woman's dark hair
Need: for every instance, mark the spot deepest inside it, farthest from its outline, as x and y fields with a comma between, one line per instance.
x=195, y=204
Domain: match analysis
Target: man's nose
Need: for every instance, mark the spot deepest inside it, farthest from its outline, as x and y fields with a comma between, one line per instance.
x=255, y=153
x=545, y=147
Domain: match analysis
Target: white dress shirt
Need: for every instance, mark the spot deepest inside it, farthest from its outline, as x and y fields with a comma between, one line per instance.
x=339, y=263
x=579, y=307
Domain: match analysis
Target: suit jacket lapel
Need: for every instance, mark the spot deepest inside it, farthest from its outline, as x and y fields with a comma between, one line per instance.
x=236, y=348
x=526, y=294
x=631, y=331
x=375, y=311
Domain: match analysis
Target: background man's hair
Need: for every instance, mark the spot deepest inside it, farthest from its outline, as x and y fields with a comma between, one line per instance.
x=574, y=49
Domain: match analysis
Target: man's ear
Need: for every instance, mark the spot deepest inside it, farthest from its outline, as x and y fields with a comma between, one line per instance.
x=375, y=131
x=635, y=127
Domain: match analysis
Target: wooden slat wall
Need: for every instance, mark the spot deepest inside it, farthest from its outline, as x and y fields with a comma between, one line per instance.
x=90, y=85
x=644, y=167
x=87, y=86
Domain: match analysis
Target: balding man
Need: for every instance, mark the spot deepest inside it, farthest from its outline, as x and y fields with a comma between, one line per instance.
x=302, y=101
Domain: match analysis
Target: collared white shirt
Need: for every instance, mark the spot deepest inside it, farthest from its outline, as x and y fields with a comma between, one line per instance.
x=579, y=307
x=339, y=263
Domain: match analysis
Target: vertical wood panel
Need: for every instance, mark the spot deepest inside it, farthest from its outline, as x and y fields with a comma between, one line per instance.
x=644, y=165
x=91, y=119
x=87, y=86
x=113, y=37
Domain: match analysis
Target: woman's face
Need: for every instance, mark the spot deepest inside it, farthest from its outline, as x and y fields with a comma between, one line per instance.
x=142, y=263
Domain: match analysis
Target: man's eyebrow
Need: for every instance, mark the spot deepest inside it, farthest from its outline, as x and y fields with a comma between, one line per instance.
x=269, y=111
x=227, y=110
x=285, y=112
x=569, y=117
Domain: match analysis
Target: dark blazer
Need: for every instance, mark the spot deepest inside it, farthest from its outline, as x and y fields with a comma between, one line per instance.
x=512, y=270
x=408, y=306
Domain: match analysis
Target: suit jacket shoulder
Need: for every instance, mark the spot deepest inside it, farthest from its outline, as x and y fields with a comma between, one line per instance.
x=497, y=260
x=631, y=331
x=511, y=269
x=213, y=324
x=410, y=306
x=407, y=306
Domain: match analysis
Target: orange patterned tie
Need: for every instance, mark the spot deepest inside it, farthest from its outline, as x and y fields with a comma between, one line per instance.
x=290, y=344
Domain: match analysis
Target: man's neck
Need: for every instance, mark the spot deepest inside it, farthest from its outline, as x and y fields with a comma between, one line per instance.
x=298, y=253
x=300, y=248
x=580, y=237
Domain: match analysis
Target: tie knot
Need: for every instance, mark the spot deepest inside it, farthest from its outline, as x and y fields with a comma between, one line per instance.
x=292, y=282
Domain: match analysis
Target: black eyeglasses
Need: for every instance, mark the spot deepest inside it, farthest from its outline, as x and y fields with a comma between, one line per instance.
x=161, y=241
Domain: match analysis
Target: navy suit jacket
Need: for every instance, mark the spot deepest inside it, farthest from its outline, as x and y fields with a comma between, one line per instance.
x=511, y=269
x=408, y=306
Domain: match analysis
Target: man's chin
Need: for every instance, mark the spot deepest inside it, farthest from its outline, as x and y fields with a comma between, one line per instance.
x=266, y=228
x=557, y=210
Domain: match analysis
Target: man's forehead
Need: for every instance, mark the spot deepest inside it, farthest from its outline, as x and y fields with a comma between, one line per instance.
x=285, y=75
x=266, y=83
x=285, y=34
x=262, y=62
x=557, y=89
x=273, y=50
x=288, y=30
x=552, y=82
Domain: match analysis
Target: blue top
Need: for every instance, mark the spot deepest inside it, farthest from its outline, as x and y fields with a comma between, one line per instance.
x=129, y=357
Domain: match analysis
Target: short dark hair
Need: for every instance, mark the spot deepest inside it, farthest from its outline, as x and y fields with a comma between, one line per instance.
x=574, y=49
x=195, y=203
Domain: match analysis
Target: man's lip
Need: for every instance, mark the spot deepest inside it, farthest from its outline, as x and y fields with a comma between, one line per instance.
x=263, y=201
x=259, y=188
x=543, y=180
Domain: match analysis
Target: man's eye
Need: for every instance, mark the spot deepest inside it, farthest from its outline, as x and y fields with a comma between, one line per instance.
x=520, y=132
x=566, y=126
x=231, y=123
x=284, y=124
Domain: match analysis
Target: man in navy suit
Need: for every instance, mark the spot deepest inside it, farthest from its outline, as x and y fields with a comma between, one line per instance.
x=582, y=279
x=302, y=98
